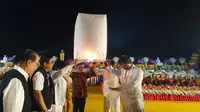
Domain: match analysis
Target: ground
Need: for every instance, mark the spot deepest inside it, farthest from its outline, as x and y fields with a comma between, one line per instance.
x=95, y=104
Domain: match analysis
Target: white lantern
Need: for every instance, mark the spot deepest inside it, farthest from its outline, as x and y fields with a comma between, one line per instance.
x=90, y=38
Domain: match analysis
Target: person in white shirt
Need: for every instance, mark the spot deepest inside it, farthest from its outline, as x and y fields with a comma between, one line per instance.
x=130, y=78
x=42, y=86
x=16, y=94
x=62, y=97
x=111, y=98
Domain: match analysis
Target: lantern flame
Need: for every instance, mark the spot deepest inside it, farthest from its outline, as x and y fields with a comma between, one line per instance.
x=90, y=55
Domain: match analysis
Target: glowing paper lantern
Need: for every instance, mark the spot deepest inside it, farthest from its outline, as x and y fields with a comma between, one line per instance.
x=90, y=38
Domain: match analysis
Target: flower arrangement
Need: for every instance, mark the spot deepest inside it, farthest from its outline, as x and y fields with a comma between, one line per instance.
x=151, y=61
x=140, y=61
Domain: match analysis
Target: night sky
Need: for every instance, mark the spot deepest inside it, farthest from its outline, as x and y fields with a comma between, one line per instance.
x=153, y=28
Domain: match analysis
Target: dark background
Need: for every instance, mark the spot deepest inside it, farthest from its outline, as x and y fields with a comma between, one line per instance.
x=153, y=28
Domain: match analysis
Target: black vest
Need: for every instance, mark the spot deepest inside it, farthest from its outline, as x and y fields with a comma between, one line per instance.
x=47, y=92
x=5, y=81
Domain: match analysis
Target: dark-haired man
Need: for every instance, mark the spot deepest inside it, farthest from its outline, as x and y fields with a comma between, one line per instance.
x=130, y=88
x=42, y=86
x=14, y=91
x=79, y=87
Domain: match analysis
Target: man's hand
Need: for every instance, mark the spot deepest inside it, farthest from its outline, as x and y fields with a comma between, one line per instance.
x=39, y=100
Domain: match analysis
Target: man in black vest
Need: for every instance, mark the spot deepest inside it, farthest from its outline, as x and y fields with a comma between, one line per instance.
x=14, y=91
x=42, y=87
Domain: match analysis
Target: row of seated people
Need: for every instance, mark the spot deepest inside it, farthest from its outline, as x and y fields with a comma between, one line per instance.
x=164, y=79
x=173, y=93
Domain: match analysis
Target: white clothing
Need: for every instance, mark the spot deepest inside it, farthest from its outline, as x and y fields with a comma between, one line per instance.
x=111, y=98
x=13, y=94
x=60, y=87
x=131, y=89
x=156, y=92
x=144, y=91
x=38, y=81
x=111, y=103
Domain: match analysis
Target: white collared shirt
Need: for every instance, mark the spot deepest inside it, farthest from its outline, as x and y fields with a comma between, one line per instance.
x=60, y=87
x=38, y=78
x=109, y=80
x=13, y=94
x=38, y=81
x=60, y=84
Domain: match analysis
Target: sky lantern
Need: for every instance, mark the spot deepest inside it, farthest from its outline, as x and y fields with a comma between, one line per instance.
x=90, y=37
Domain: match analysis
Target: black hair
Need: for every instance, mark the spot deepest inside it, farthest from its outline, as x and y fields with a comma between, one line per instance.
x=28, y=54
x=44, y=58
x=124, y=59
x=59, y=64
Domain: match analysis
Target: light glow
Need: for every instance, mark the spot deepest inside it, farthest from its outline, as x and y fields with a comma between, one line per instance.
x=90, y=55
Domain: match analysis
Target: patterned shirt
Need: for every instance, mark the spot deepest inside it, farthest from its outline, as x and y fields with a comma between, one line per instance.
x=79, y=83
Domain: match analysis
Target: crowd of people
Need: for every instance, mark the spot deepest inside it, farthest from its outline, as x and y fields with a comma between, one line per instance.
x=176, y=80
x=37, y=83
x=173, y=93
x=177, y=88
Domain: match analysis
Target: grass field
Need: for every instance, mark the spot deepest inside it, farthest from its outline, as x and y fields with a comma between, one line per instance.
x=94, y=103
